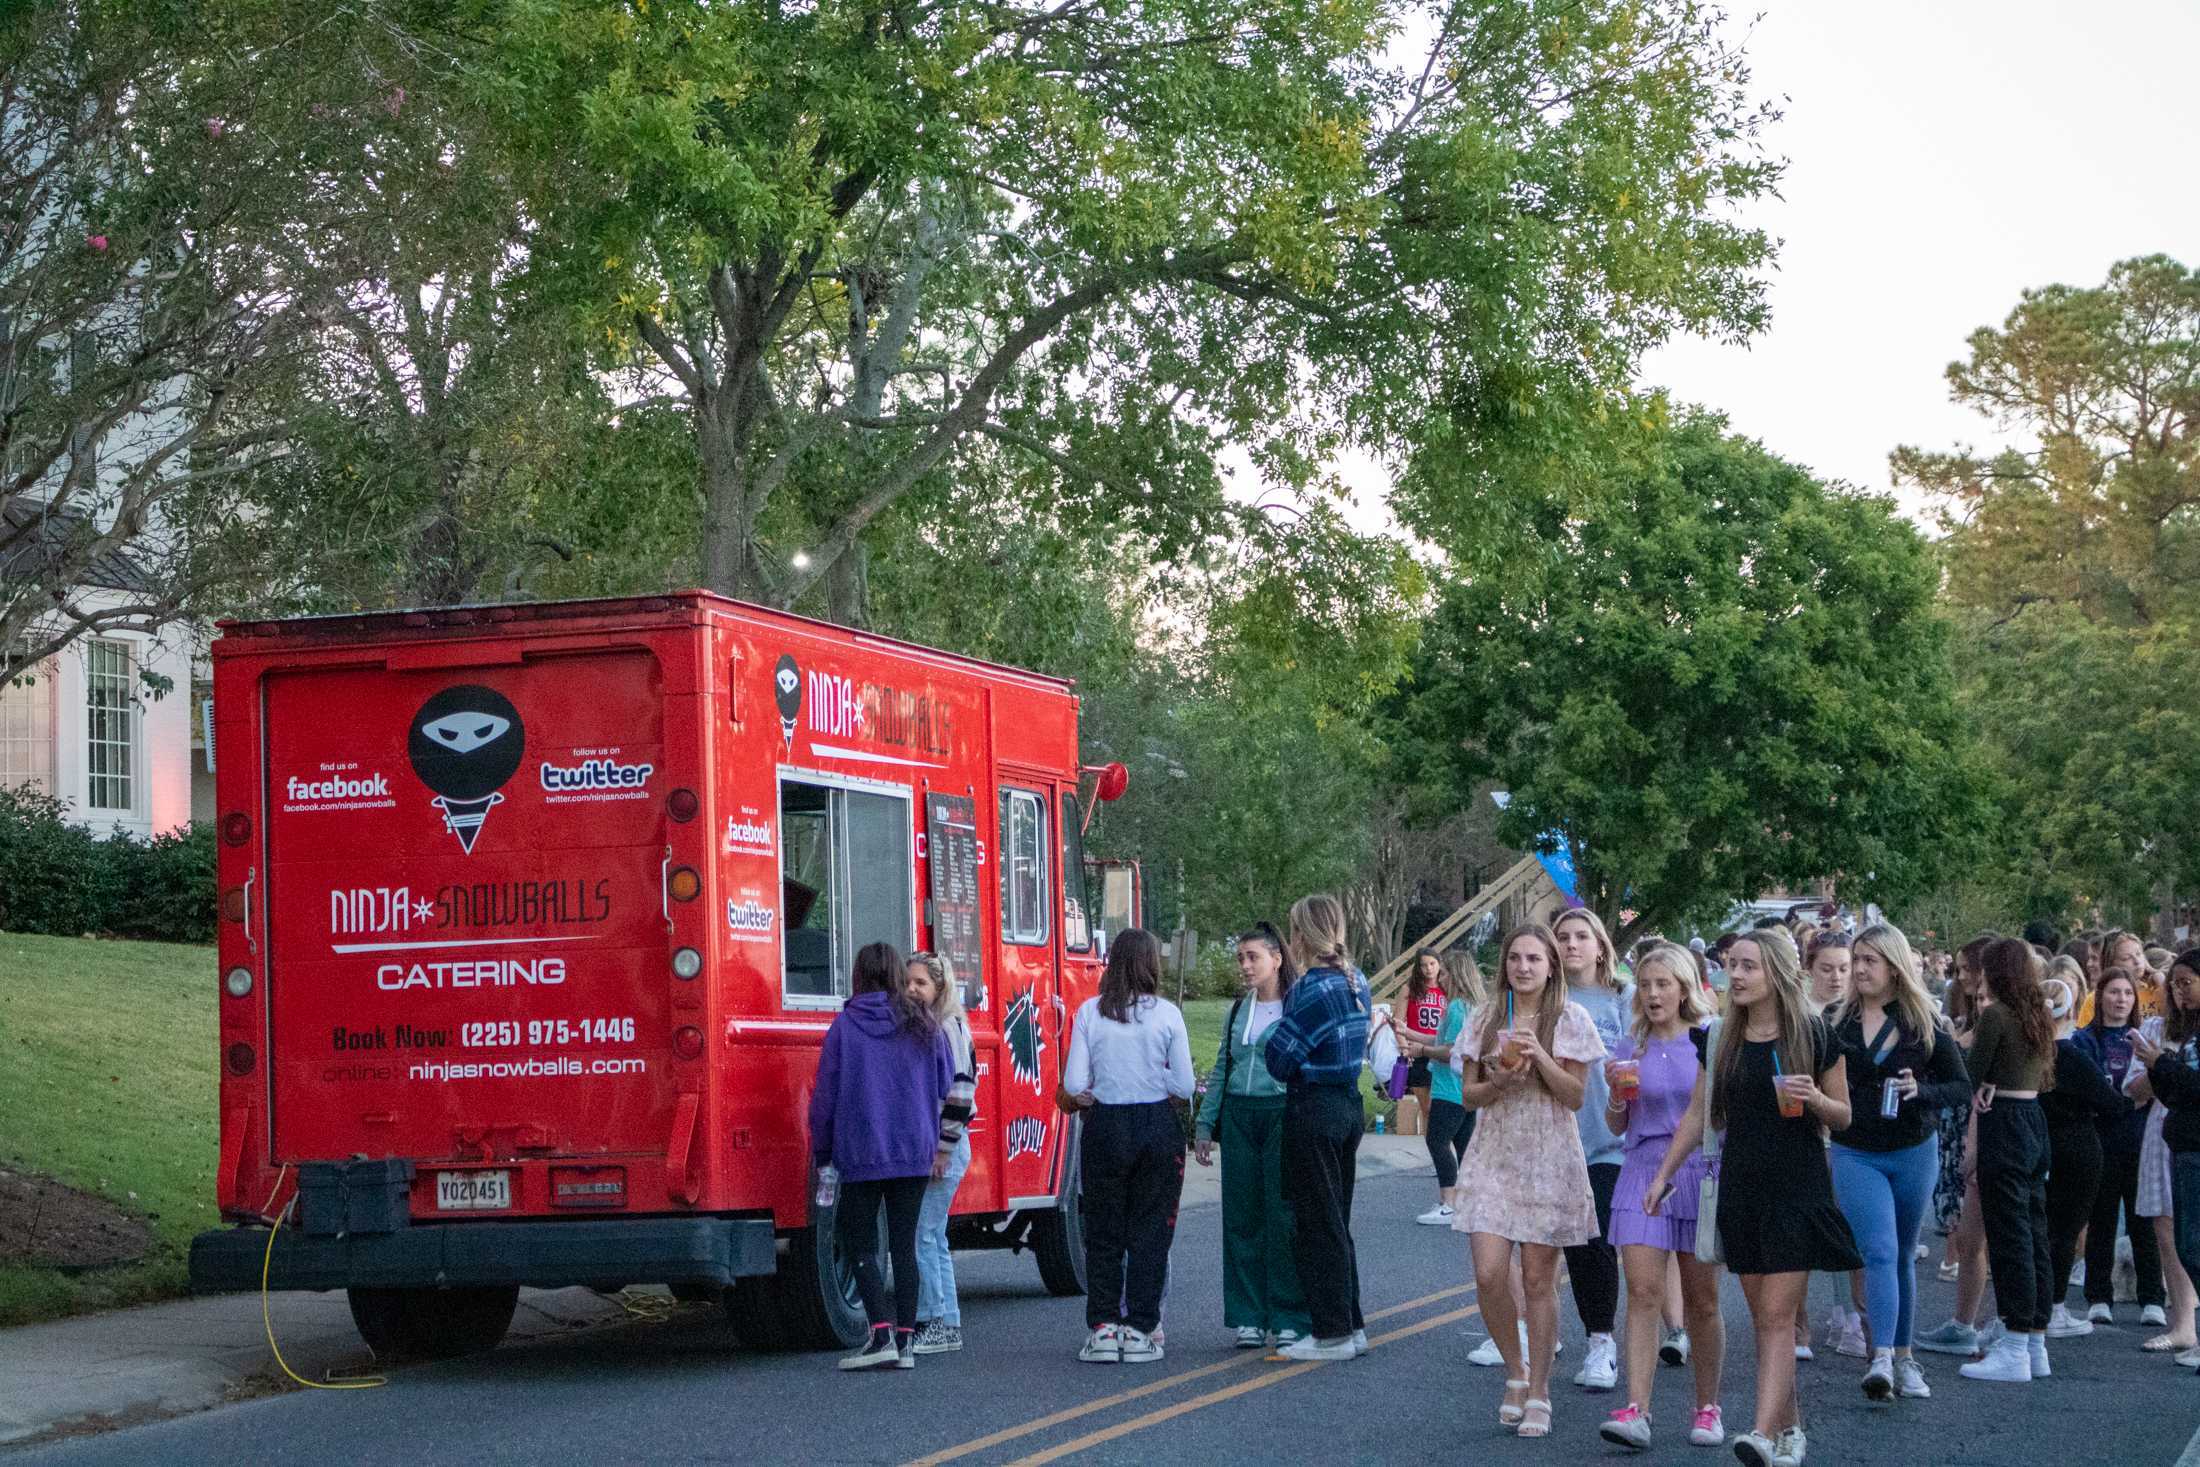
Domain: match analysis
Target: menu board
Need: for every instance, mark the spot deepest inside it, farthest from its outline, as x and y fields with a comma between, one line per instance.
x=951, y=838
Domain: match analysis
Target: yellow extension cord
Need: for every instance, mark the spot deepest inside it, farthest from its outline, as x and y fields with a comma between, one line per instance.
x=267, y=1318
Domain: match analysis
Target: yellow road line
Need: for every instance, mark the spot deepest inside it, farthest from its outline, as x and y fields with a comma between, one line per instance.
x=1227, y=1393
x=1072, y=1413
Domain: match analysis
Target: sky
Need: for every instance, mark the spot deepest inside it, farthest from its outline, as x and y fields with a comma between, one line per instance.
x=1943, y=156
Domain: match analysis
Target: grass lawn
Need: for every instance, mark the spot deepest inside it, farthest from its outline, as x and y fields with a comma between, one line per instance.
x=107, y=1081
x=1203, y=1019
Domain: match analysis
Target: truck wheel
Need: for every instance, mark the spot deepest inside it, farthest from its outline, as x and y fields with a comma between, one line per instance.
x=432, y=1324
x=811, y=1303
x=1058, y=1237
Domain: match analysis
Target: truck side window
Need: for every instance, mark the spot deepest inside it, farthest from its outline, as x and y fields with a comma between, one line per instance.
x=1023, y=868
x=1077, y=903
x=846, y=879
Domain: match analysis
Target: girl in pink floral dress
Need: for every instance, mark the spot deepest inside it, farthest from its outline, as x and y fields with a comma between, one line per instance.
x=1524, y=1181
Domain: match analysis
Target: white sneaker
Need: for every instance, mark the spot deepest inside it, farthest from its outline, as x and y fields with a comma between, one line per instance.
x=1439, y=1216
x=2064, y=1325
x=1600, y=1368
x=1485, y=1353
x=1788, y=1451
x=1674, y=1349
x=1339, y=1348
x=1851, y=1342
x=2153, y=1315
x=1909, y=1380
x=2100, y=1314
x=1993, y=1331
x=2036, y=1347
x=1709, y=1429
x=2190, y=1359
x=1754, y=1448
x=1879, y=1380
x=1250, y=1337
x=1139, y=1347
x=2009, y=1359
x=1805, y=1352
x=1360, y=1346
x=1283, y=1337
x=1924, y=1251
x=1102, y=1347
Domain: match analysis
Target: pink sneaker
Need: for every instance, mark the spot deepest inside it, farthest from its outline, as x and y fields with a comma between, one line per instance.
x=1710, y=1427
x=1627, y=1427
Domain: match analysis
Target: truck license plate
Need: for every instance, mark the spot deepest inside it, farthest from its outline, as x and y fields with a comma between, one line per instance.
x=472, y=1191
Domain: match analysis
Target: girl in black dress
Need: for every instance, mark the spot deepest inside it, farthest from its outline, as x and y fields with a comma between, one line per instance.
x=1775, y=1077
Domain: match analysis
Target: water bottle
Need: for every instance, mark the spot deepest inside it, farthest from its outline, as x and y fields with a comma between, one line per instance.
x=1379, y=1125
x=828, y=1185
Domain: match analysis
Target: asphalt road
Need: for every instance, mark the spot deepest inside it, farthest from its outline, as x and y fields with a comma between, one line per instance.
x=682, y=1391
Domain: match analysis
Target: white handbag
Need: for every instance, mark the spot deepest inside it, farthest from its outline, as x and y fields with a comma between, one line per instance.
x=1707, y=1191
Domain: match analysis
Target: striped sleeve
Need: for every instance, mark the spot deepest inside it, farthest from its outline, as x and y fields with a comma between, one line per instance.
x=962, y=1095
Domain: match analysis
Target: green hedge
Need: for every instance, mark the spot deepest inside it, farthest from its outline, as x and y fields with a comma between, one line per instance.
x=62, y=880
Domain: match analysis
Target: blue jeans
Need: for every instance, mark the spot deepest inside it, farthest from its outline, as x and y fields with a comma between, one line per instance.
x=1885, y=1195
x=935, y=1260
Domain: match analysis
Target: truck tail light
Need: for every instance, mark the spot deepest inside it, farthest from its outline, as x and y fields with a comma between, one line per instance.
x=236, y=827
x=685, y=885
x=687, y=1042
x=686, y=963
x=683, y=805
x=240, y=1059
x=238, y=982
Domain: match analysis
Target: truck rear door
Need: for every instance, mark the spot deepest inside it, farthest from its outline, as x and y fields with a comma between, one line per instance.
x=466, y=873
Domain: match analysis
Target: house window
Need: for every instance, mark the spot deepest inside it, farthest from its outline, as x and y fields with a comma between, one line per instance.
x=1023, y=868
x=26, y=730
x=110, y=726
x=847, y=879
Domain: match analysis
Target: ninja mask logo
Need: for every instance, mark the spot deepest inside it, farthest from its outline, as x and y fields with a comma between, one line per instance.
x=1020, y=1027
x=787, y=693
x=466, y=743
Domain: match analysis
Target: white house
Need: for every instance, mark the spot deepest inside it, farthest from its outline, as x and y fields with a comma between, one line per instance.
x=83, y=726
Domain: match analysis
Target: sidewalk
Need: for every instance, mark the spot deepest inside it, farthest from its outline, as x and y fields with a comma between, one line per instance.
x=138, y=1365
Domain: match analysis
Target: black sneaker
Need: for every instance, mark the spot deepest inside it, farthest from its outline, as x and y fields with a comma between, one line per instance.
x=906, y=1350
x=878, y=1350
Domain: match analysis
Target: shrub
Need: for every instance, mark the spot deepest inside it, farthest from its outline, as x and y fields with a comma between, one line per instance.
x=59, y=879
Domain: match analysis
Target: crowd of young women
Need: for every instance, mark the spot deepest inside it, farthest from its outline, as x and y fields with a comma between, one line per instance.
x=1637, y=1130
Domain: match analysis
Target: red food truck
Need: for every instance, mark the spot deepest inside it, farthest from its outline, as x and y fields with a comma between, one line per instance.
x=535, y=916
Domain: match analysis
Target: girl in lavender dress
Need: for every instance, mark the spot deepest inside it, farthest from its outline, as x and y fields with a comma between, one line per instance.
x=1663, y=1048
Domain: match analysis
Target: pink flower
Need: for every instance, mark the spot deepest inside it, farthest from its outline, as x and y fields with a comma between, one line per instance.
x=395, y=100
x=96, y=243
x=214, y=126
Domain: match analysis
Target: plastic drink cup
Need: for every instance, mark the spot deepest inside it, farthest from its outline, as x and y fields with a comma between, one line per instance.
x=1508, y=1049
x=828, y=1185
x=1790, y=1107
x=1626, y=1079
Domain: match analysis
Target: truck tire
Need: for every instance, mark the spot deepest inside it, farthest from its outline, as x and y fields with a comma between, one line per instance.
x=433, y=1324
x=811, y=1303
x=1058, y=1237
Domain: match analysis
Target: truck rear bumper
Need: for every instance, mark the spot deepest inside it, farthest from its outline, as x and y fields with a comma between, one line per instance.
x=542, y=1255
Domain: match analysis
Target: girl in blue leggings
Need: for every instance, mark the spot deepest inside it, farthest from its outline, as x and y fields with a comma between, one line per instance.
x=1903, y=1070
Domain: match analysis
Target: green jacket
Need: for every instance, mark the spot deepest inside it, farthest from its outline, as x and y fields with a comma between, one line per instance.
x=1248, y=1066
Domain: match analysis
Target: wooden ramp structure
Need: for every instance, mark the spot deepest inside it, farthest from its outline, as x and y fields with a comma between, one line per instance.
x=1516, y=880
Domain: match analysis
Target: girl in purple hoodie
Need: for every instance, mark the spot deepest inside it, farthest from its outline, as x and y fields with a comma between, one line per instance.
x=875, y=1118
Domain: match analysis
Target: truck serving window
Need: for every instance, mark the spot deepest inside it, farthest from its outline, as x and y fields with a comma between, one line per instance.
x=846, y=879
x=1077, y=883
x=1024, y=868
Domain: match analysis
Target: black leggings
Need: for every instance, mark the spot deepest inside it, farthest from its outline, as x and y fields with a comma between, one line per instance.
x=2012, y=1197
x=856, y=1217
x=2073, y=1180
x=1594, y=1265
x=2119, y=1194
x=1450, y=1124
x=1321, y=1146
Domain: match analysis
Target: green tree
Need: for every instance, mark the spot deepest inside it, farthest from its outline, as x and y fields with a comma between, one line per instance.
x=1729, y=675
x=858, y=245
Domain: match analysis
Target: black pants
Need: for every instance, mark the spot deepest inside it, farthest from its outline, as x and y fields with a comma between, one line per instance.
x=1321, y=1149
x=2119, y=1194
x=1450, y=1124
x=2073, y=1180
x=1594, y=1265
x=2012, y=1195
x=856, y=1218
x=1133, y=1158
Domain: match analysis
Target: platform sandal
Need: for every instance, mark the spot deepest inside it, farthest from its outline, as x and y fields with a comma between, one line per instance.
x=1529, y=1426
x=1507, y=1413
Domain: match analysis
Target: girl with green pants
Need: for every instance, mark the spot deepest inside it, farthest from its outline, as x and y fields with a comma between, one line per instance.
x=1243, y=1108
